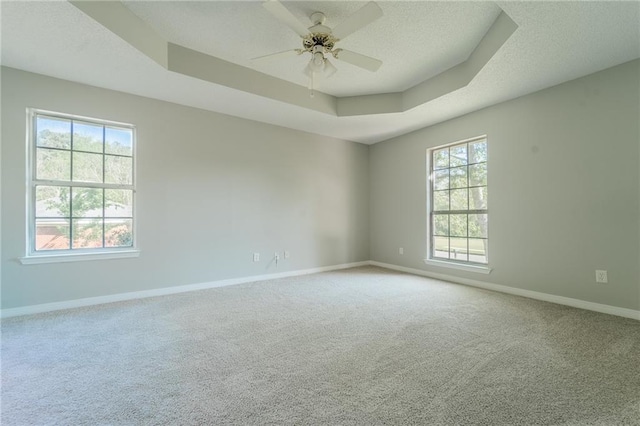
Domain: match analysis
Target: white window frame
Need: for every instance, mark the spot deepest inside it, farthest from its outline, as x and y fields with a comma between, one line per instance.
x=468, y=266
x=32, y=256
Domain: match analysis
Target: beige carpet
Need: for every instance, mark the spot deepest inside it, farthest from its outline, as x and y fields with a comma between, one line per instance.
x=364, y=346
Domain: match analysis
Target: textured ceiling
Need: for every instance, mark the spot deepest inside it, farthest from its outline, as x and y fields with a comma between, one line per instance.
x=554, y=42
x=414, y=40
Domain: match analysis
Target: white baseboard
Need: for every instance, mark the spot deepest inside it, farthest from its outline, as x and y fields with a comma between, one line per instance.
x=89, y=301
x=576, y=303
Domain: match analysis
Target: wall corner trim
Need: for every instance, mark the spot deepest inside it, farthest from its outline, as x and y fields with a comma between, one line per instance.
x=560, y=300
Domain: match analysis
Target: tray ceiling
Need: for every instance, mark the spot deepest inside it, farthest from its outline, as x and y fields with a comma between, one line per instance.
x=414, y=40
x=554, y=42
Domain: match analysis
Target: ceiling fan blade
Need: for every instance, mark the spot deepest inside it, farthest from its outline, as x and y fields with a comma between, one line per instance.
x=363, y=17
x=357, y=59
x=278, y=55
x=280, y=12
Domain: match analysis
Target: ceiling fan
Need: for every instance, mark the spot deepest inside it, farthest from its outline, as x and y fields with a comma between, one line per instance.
x=319, y=40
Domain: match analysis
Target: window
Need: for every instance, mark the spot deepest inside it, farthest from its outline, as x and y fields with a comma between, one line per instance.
x=458, y=222
x=81, y=185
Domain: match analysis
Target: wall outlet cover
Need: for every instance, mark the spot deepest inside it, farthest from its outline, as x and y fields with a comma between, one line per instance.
x=601, y=276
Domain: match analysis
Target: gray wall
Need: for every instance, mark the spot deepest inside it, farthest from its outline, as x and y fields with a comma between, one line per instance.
x=212, y=189
x=564, y=189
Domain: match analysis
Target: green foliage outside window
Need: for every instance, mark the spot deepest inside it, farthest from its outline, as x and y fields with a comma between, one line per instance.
x=459, y=227
x=74, y=208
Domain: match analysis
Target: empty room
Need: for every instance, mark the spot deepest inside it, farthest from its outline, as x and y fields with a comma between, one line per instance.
x=320, y=213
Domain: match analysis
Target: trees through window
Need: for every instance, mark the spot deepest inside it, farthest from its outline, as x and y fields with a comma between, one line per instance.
x=459, y=215
x=81, y=183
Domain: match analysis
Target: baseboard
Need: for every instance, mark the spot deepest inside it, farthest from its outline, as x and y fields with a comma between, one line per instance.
x=78, y=303
x=576, y=303
x=89, y=301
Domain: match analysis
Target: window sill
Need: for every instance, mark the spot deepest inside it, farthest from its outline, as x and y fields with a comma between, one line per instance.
x=460, y=266
x=77, y=257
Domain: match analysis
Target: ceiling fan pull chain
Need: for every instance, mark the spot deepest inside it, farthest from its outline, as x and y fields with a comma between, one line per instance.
x=311, y=85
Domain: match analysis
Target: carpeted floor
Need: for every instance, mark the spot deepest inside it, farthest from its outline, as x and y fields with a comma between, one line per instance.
x=364, y=346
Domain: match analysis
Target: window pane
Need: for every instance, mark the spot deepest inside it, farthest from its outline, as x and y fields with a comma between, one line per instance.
x=461, y=236
x=441, y=158
x=458, y=225
x=87, y=233
x=441, y=247
x=118, y=141
x=459, y=199
x=52, y=201
x=478, y=250
x=53, y=132
x=118, y=170
x=118, y=203
x=478, y=199
x=458, y=155
x=478, y=225
x=458, y=249
x=87, y=167
x=53, y=164
x=477, y=152
x=86, y=202
x=441, y=179
x=441, y=200
x=52, y=234
x=441, y=225
x=118, y=233
x=478, y=174
x=68, y=201
x=459, y=177
x=87, y=137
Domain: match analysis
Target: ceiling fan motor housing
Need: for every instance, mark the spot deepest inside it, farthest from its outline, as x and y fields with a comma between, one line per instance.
x=319, y=35
x=326, y=40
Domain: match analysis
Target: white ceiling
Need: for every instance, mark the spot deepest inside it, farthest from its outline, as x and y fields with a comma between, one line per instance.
x=408, y=38
x=554, y=42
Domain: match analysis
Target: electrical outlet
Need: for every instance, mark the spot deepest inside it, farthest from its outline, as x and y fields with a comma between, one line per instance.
x=256, y=257
x=401, y=250
x=601, y=276
x=286, y=254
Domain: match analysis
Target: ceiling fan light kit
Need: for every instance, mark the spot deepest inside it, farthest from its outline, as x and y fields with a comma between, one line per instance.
x=320, y=40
